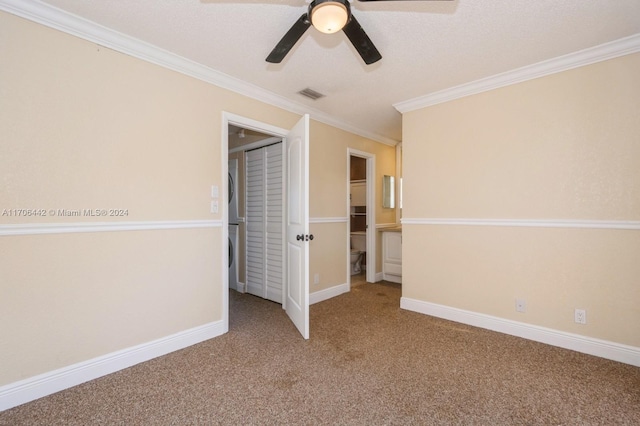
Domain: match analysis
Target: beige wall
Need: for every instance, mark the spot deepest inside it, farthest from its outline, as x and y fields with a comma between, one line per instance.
x=328, y=170
x=328, y=255
x=86, y=127
x=563, y=147
x=67, y=298
x=328, y=199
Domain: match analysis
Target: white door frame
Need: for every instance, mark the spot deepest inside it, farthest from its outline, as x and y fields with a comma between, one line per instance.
x=250, y=124
x=371, y=213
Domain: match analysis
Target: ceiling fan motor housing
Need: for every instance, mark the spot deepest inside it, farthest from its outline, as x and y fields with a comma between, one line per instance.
x=329, y=16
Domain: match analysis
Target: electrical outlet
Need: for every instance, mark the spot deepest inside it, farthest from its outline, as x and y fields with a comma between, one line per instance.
x=580, y=316
x=521, y=305
x=316, y=278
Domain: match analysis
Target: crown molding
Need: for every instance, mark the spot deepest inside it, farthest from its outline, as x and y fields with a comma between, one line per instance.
x=603, y=52
x=58, y=19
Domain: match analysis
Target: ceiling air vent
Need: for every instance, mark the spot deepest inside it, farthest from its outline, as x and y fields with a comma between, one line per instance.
x=311, y=94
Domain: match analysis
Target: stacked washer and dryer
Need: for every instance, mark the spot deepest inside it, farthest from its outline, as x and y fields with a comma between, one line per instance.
x=233, y=224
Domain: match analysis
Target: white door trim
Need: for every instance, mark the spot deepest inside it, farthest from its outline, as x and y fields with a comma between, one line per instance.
x=255, y=145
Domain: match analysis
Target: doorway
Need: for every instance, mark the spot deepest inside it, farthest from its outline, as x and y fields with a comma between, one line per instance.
x=361, y=228
x=295, y=223
x=245, y=185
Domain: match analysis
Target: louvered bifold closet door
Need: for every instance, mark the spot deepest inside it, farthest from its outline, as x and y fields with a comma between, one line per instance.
x=265, y=222
x=274, y=222
x=255, y=218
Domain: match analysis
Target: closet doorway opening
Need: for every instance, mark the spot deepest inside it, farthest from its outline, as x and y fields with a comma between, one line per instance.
x=256, y=189
x=267, y=170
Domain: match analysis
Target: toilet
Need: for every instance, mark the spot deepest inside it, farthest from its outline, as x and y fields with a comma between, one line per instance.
x=358, y=250
x=356, y=261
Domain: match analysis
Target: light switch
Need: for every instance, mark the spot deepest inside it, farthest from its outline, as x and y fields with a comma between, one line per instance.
x=215, y=192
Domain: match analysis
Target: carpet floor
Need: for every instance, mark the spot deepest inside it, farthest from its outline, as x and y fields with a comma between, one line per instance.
x=367, y=363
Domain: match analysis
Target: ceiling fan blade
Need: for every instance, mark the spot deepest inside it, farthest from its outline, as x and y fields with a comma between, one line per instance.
x=361, y=41
x=290, y=38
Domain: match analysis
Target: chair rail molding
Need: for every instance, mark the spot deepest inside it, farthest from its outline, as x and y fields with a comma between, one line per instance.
x=69, y=228
x=530, y=223
x=328, y=220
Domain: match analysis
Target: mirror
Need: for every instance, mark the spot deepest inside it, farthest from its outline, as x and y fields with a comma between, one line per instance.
x=388, y=197
x=399, y=182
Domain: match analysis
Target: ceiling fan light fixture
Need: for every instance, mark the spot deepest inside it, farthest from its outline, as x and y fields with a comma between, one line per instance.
x=329, y=16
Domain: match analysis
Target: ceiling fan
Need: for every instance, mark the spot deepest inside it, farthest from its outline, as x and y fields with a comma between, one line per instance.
x=329, y=16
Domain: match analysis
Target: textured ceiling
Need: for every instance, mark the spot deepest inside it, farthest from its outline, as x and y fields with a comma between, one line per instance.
x=427, y=46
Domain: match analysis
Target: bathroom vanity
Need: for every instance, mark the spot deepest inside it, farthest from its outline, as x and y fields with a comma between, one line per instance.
x=392, y=254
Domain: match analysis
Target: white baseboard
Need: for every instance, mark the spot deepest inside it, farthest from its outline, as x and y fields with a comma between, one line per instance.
x=392, y=278
x=601, y=348
x=379, y=276
x=21, y=392
x=328, y=293
x=239, y=287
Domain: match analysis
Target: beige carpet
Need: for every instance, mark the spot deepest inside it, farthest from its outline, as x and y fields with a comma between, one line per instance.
x=367, y=363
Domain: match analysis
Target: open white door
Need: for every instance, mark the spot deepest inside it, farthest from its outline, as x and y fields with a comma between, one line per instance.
x=297, y=220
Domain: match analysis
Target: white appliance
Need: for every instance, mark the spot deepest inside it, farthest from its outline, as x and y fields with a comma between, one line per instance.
x=233, y=257
x=233, y=192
